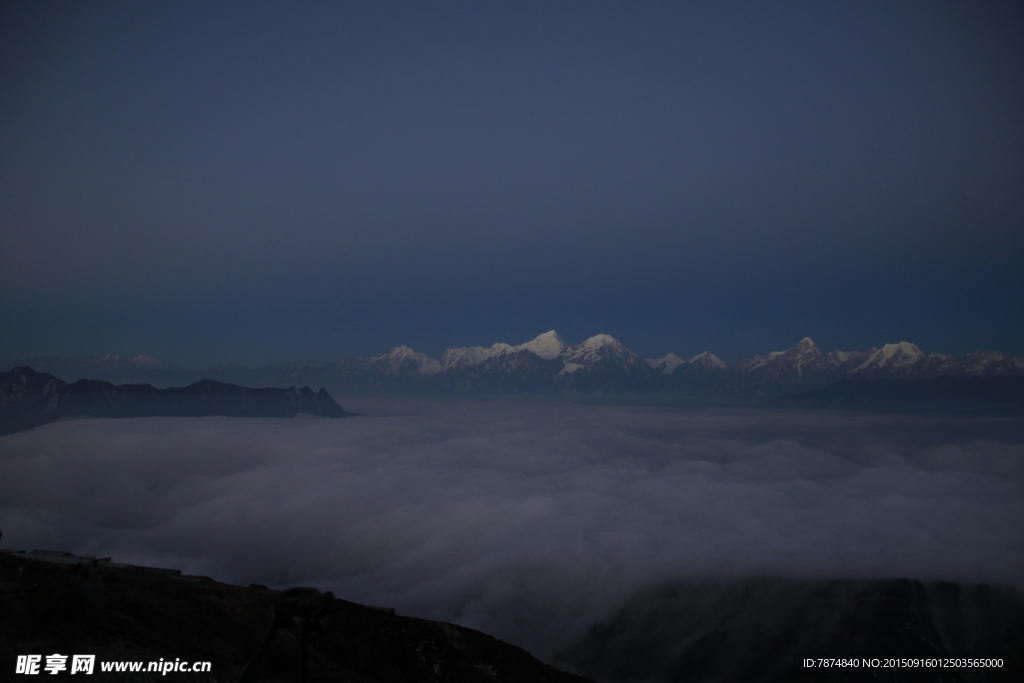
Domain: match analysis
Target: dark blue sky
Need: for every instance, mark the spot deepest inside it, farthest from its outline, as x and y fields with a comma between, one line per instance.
x=254, y=182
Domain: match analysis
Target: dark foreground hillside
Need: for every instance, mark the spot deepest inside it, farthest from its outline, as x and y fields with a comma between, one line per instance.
x=58, y=603
x=762, y=630
x=729, y=630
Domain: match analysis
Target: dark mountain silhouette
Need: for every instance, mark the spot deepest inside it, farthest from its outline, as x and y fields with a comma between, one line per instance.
x=57, y=602
x=29, y=399
x=761, y=630
x=112, y=368
x=731, y=630
x=992, y=395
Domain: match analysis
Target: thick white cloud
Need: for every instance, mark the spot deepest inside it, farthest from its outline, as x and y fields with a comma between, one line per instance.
x=529, y=520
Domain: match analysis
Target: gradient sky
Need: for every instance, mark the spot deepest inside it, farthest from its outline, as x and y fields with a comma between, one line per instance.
x=206, y=182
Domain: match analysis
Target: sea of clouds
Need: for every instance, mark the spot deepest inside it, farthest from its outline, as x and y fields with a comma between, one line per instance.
x=530, y=520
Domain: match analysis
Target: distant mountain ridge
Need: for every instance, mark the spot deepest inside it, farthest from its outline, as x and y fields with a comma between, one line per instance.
x=988, y=395
x=29, y=399
x=545, y=363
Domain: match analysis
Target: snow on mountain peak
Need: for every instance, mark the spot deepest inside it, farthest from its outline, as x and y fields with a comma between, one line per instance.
x=806, y=344
x=466, y=355
x=804, y=353
x=838, y=357
x=401, y=353
x=599, y=340
x=708, y=359
x=903, y=348
x=547, y=345
x=597, y=347
x=667, y=364
x=892, y=356
x=425, y=365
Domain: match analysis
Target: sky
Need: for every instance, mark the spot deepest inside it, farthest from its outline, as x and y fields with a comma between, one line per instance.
x=527, y=520
x=256, y=182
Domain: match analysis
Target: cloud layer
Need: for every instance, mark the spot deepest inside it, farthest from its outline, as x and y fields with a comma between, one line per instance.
x=527, y=520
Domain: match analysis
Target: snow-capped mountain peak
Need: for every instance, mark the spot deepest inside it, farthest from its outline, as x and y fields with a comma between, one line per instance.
x=666, y=365
x=401, y=353
x=599, y=340
x=789, y=366
x=804, y=351
x=702, y=362
x=984, y=362
x=892, y=356
x=708, y=359
x=469, y=355
x=598, y=345
x=838, y=357
x=403, y=357
x=600, y=363
x=596, y=348
x=547, y=345
x=806, y=345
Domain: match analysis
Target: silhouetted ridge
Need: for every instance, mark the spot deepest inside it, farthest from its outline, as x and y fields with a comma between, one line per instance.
x=760, y=630
x=29, y=399
x=56, y=601
x=992, y=394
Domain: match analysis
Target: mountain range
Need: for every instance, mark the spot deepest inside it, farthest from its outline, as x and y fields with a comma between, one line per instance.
x=29, y=399
x=598, y=364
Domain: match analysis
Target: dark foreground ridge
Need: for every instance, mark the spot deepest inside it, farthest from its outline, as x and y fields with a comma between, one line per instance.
x=761, y=631
x=29, y=399
x=54, y=602
x=742, y=631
